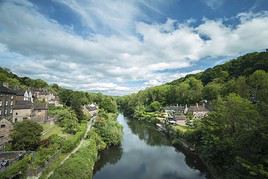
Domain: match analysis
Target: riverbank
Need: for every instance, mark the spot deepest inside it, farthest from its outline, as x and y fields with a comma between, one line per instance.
x=80, y=163
x=147, y=153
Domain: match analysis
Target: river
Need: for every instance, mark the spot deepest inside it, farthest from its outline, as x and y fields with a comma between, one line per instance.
x=146, y=153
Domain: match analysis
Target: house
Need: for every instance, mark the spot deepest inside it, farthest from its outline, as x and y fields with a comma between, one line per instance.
x=92, y=109
x=7, y=98
x=180, y=119
x=40, y=94
x=5, y=129
x=54, y=100
x=24, y=95
x=40, y=112
x=22, y=110
x=198, y=111
x=175, y=109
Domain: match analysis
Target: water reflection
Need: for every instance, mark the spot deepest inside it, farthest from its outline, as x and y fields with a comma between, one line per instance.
x=146, y=153
x=147, y=133
x=110, y=156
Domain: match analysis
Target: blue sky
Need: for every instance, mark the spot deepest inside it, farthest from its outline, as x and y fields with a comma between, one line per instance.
x=121, y=46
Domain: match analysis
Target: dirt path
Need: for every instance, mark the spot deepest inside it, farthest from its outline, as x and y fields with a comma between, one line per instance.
x=89, y=125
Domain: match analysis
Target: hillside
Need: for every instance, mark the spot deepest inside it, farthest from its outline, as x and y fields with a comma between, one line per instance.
x=242, y=66
x=237, y=95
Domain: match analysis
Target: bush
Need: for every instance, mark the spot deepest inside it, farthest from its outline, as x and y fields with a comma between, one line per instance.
x=71, y=143
x=109, y=129
x=79, y=165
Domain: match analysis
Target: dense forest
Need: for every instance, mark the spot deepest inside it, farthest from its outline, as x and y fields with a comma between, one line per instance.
x=233, y=138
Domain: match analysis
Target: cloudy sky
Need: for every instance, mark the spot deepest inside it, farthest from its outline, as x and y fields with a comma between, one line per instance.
x=120, y=46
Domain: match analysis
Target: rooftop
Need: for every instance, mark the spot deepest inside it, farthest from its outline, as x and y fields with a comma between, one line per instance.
x=5, y=90
x=23, y=105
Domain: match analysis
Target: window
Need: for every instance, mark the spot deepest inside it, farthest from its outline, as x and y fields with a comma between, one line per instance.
x=0, y=112
x=1, y=103
x=12, y=97
x=3, y=125
x=6, y=103
x=10, y=111
x=16, y=119
x=16, y=113
x=11, y=103
x=6, y=112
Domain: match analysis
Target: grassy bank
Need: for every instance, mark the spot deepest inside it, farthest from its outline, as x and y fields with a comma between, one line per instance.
x=105, y=132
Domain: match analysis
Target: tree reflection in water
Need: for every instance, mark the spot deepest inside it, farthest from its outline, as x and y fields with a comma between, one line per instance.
x=108, y=156
x=148, y=133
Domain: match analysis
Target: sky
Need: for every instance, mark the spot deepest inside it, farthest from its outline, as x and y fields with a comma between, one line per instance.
x=121, y=46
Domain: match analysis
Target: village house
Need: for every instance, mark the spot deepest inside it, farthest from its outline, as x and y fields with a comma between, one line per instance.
x=92, y=109
x=24, y=95
x=7, y=97
x=177, y=114
x=198, y=111
x=22, y=111
x=41, y=95
x=40, y=112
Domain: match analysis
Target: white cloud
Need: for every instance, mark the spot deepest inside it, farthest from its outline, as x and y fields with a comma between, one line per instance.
x=43, y=48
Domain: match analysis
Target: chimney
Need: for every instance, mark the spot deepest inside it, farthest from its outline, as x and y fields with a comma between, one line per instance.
x=197, y=105
x=204, y=105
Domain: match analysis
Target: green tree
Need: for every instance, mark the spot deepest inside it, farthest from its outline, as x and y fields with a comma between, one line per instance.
x=26, y=135
x=212, y=91
x=108, y=104
x=154, y=106
x=259, y=86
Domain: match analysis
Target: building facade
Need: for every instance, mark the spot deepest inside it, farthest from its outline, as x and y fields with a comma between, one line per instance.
x=5, y=129
x=22, y=111
x=7, y=98
x=40, y=113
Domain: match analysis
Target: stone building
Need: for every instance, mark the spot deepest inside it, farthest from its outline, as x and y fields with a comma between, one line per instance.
x=5, y=129
x=7, y=98
x=198, y=111
x=40, y=112
x=22, y=110
x=22, y=95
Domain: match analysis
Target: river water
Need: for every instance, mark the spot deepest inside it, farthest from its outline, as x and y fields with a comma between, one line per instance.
x=146, y=153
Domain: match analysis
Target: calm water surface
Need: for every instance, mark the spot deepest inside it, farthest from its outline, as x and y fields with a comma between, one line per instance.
x=146, y=153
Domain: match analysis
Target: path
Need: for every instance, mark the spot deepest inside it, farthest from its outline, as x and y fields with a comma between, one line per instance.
x=89, y=125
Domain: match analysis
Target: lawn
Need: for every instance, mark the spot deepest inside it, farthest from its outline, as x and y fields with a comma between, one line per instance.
x=50, y=129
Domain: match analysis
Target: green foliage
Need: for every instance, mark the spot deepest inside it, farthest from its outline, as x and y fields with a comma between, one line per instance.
x=26, y=135
x=108, y=104
x=154, y=106
x=230, y=131
x=212, y=91
x=80, y=164
x=16, y=170
x=71, y=142
x=109, y=129
x=66, y=118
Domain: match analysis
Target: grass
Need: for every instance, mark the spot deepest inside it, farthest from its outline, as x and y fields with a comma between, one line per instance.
x=181, y=128
x=53, y=166
x=50, y=129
